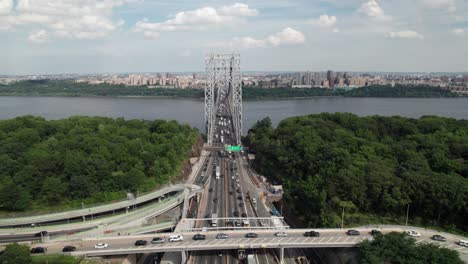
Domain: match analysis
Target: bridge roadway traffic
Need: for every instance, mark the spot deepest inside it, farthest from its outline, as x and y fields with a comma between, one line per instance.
x=236, y=240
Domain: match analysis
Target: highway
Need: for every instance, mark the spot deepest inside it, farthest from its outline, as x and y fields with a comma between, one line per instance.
x=237, y=240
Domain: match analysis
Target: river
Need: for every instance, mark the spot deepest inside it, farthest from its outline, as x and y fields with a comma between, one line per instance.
x=191, y=111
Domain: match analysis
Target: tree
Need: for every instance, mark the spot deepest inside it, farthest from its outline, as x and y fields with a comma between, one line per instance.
x=400, y=248
x=16, y=254
x=14, y=197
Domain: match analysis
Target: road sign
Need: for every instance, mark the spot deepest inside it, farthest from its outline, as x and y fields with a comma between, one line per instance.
x=233, y=148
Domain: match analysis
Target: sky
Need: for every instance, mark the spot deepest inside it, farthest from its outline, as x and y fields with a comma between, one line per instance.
x=115, y=36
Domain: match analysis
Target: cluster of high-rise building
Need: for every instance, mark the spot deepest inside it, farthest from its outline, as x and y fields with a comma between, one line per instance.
x=167, y=80
x=307, y=79
x=328, y=79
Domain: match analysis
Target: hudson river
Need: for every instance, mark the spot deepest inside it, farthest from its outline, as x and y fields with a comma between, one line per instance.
x=191, y=111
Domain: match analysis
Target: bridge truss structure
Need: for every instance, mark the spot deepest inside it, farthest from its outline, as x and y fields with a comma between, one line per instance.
x=223, y=84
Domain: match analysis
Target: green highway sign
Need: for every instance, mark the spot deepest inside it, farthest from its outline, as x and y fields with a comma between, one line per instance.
x=233, y=148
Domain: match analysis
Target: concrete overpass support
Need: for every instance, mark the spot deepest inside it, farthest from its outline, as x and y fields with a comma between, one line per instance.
x=130, y=259
x=281, y=255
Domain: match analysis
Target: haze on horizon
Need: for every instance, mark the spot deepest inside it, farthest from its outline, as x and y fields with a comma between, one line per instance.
x=69, y=36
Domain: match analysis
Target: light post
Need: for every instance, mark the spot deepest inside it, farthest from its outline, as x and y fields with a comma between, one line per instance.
x=342, y=218
x=407, y=214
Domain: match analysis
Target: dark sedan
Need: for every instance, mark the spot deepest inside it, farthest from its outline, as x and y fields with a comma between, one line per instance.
x=439, y=238
x=37, y=250
x=141, y=243
x=251, y=235
x=199, y=237
x=69, y=249
x=352, y=232
x=311, y=234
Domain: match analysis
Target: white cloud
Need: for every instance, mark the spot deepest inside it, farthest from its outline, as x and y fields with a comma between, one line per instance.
x=372, y=9
x=200, y=18
x=287, y=36
x=39, y=36
x=458, y=32
x=324, y=21
x=445, y=5
x=5, y=6
x=237, y=9
x=406, y=34
x=84, y=19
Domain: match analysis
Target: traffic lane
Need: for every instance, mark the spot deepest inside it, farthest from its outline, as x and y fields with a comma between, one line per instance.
x=129, y=242
x=325, y=237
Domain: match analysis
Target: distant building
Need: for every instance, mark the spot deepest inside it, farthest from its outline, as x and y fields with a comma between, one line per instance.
x=331, y=78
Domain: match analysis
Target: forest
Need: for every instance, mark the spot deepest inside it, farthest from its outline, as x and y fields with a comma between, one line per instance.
x=71, y=88
x=401, y=248
x=372, y=168
x=65, y=162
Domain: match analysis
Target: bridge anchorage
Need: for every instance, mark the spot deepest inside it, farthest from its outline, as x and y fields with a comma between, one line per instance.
x=223, y=100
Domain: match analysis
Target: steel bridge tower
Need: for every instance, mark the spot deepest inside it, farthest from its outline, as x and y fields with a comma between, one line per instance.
x=223, y=85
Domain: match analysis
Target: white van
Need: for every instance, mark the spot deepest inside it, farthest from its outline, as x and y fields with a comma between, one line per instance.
x=463, y=243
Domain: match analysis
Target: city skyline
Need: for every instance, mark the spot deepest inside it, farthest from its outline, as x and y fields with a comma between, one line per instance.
x=114, y=36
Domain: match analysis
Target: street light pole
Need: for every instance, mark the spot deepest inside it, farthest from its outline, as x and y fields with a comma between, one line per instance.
x=407, y=214
x=342, y=218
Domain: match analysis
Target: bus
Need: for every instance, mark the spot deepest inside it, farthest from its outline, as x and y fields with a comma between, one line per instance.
x=218, y=172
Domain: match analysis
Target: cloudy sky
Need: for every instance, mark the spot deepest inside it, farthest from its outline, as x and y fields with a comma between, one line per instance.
x=86, y=36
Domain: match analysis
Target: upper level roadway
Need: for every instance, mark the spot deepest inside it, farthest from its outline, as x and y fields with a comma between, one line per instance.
x=237, y=240
x=64, y=216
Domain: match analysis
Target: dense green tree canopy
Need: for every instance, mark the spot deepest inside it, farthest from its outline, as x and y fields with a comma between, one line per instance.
x=16, y=254
x=372, y=166
x=402, y=249
x=49, y=163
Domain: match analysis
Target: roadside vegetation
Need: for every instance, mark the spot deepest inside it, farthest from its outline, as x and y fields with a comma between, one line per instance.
x=71, y=88
x=400, y=248
x=64, y=163
x=374, y=168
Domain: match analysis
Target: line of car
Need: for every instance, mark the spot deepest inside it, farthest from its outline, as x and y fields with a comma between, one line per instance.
x=178, y=238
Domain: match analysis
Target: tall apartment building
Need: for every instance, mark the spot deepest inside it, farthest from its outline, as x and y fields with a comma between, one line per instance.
x=331, y=78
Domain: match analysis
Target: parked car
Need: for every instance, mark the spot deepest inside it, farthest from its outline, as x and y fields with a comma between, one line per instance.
x=236, y=214
x=439, y=238
x=176, y=238
x=375, y=232
x=222, y=236
x=101, y=245
x=311, y=234
x=69, y=249
x=281, y=234
x=141, y=243
x=38, y=250
x=251, y=235
x=413, y=233
x=158, y=240
x=199, y=237
x=244, y=215
x=353, y=232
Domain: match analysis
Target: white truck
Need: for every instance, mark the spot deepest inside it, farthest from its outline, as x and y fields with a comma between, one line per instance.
x=218, y=172
x=214, y=220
